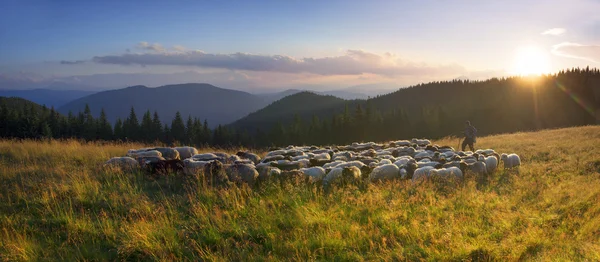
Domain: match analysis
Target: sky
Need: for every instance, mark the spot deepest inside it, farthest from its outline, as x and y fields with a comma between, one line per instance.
x=276, y=45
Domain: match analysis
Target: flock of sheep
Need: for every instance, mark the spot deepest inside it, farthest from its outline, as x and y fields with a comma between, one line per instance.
x=416, y=159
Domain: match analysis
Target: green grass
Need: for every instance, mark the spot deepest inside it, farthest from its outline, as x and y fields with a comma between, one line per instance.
x=57, y=203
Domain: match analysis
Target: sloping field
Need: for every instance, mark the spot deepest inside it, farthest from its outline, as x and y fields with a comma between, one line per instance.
x=56, y=203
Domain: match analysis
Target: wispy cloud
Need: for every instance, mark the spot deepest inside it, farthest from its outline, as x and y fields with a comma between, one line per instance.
x=352, y=62
x=579, y=51
x=152, y=47
x=555, y=31
x=76, y=62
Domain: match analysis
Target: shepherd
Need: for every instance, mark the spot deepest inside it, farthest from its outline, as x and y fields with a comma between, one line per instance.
x=470, y=136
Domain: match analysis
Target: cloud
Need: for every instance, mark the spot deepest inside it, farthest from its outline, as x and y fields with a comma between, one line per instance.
x=152, y=47
x=76, y=62
x=352, y=62
x=579, y=51
x=554, y=31
x=179, y=48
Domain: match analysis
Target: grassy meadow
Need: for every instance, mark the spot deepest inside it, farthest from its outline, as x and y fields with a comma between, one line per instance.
x=57, y=203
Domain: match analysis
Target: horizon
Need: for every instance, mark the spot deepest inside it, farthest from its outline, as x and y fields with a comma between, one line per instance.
x=273, y=46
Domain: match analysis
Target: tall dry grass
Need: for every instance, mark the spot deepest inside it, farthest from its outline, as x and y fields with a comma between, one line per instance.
x=56, y=203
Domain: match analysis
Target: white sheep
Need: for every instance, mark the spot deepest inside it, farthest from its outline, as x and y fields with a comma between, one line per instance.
x=385, y=172
x=205, y=157
x=511, y=160
x=242, y=173
x=333, y=164
x=385, y=162
x=149, y=153
x=347, y=173
x=193, y=167
x=316, y=173
x=422, y=173
x=451, y=172
x=478, y=168
x=266, y=171
x=322, y=156
x=250, y=156
x=355, y=163
x=186, y=152
x=123, y=163
x=491, y=163
x=167, y=152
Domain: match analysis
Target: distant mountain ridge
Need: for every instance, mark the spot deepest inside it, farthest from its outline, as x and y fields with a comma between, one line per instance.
x=205, y=101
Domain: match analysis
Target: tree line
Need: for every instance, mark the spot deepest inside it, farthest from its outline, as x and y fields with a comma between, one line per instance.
x=30, y=120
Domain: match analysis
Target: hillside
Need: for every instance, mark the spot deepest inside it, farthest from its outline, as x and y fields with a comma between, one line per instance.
x=19, y=104
x=217, y=105
x=304, y=104
x=62, y=206
x=437, y=109
x=48, y=97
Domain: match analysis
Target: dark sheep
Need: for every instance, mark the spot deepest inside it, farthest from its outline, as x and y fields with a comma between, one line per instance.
x=163, y=167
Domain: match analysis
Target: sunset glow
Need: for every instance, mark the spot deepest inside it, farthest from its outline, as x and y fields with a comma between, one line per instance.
x=531, y=60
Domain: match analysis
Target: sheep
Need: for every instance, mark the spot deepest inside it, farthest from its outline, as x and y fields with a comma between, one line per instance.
x=351, y=163
x=205, y=157
x=192, y=167
x=214, y=173
x=421, y=142
x=314, y=173
x=384, y=172
x=286, y=165
x=447, y=173
x=428, y=163
x=368, y=161
x=317, y=162
x=511, y=160
x=123, y=163
x=149, y=153
x=167, y=152
x=385, y=162
x=163, y=167
x=250, y=156
x=242, y=173
x=422, y=154
x=134, y=151
x=345, y=154
x=478, y=168
x=147, y=160
x=296, y=158
x=486, y=152
x=342, y=175
x=265, y=172
x=273, y=158
x=186, y=152
x=491, y=163
x=422, y=173
x=221, y=155
x=332, y=164
x=402, y=143
x=295, y=177
x=244, y=162
x=403, y=160
x=276, y=152
x=233, y=158
x=322, y=156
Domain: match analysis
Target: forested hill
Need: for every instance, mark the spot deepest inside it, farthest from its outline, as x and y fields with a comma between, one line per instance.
x=568, y=98
x=302, y=103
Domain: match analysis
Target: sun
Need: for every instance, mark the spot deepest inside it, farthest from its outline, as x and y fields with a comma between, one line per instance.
x=531, y=60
